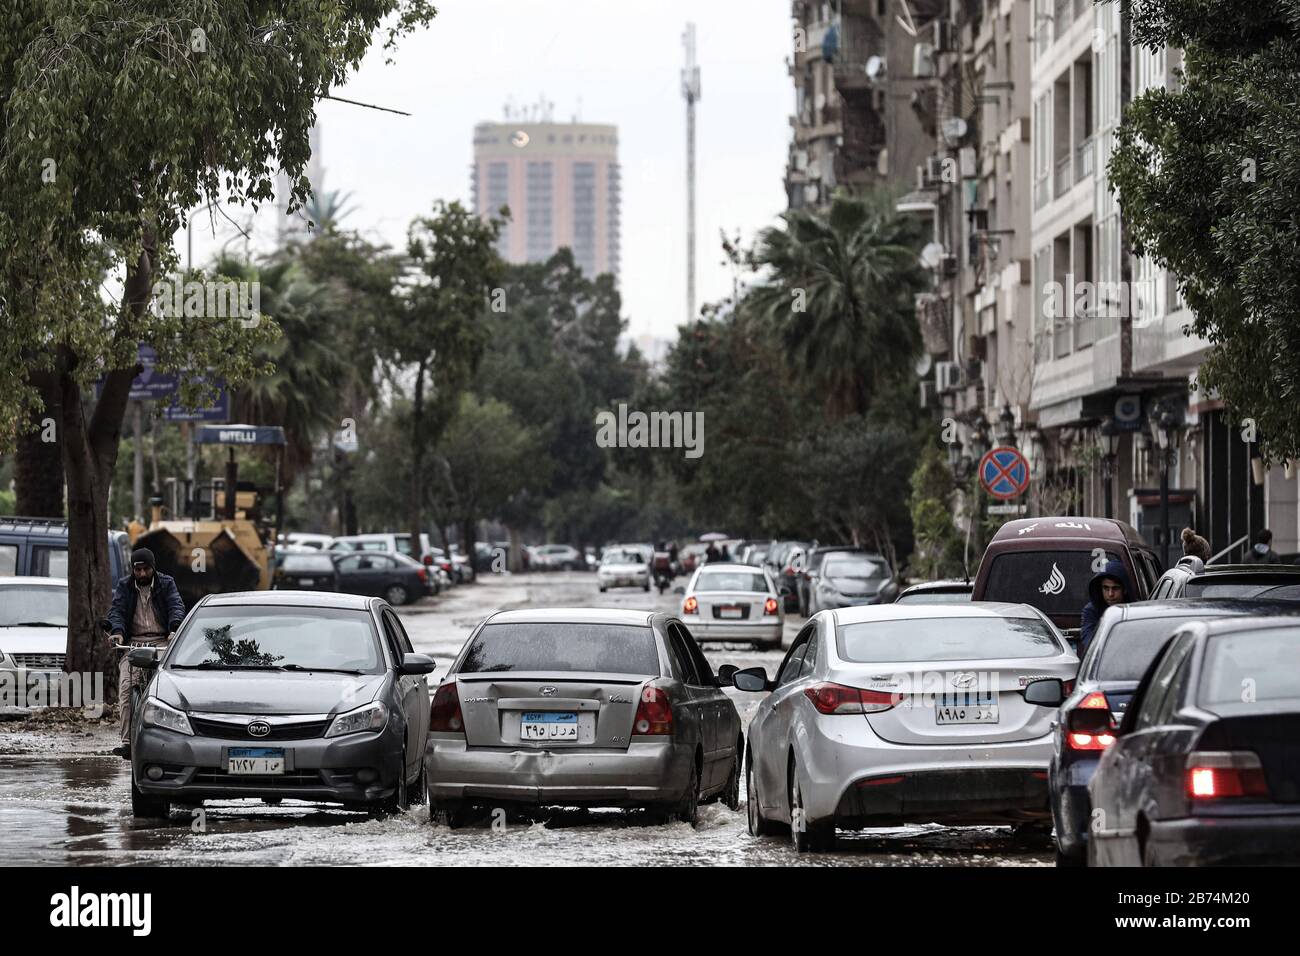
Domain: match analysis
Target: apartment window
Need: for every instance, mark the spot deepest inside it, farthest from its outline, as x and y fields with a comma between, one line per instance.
x=615, y=192
x=584, y=217
x=1042, y=150
x=498, y=195
x=540, y=199
x=1042, y=315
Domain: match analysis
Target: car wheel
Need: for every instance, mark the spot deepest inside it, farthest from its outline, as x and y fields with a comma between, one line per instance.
x=731, y=793
x=144, y=807
x=806, y=836
x=400, y=801
x=759, y=826
x=602, y=590
x=452, y=815
x=647, y=587
x=688, y=810
x=396, y=595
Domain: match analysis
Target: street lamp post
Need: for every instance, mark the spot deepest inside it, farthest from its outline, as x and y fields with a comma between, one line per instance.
x=1164, y=425
x=1006, y=433
x=1110, y=448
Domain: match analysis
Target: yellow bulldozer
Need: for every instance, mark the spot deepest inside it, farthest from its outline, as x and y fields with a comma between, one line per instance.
x=230, y=548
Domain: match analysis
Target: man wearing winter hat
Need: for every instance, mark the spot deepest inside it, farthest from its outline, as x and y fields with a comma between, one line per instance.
x=147, y=609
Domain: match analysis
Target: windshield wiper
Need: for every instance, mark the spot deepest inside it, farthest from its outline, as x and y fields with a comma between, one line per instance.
x=33, y=624
x=320, y=670
x=214, y=666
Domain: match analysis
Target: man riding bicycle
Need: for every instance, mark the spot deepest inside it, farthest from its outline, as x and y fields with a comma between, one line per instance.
x=147, y=609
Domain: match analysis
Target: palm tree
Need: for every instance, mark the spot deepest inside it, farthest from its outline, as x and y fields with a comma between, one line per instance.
x=839, y=295
x=325, y=210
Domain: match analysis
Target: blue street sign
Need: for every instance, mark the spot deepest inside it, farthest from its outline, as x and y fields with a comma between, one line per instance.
x=239, y=435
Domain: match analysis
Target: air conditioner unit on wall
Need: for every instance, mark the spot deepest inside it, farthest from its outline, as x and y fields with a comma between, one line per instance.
x=947, y=375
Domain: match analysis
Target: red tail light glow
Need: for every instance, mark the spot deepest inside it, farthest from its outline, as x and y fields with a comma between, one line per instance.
x=769, y=606
x=691, y=606
x=423, y=575
x=428, y=559
x=1089, y=741
x=444, y=714
x=838, y=699
x=1226, y=775
x=654, y=715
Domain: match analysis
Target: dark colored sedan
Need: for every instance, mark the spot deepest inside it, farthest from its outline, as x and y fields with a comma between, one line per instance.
x=1205, y=767
x=397, y=578
x=1191, y=579
x=1127, y=640
x=282, y=694
x=306, y=572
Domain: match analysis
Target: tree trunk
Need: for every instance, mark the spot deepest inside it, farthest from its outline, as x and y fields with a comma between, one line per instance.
x=38, y=464
x=417, y=463
x=467, y=538
x=516, y=551
x=90, y=449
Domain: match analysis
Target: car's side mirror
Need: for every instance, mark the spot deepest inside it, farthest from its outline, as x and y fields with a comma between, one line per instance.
x=1045, y=693
x=752, y=680
x=414, y=664
x=725, y=673
x=143, y=658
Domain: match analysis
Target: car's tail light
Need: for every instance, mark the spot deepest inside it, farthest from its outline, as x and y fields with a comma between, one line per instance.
x=654, y=715
x=1228, y=774
x=1090, y=741
x=444, y=715
x=423, y=575
x=446, y=566
x=838, y=699
x=691, y=606
x=770, y=606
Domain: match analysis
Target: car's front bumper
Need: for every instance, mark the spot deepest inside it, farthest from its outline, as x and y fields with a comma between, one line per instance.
x=352, y=769
x=624, y=580
x=850, y=773
x=1246, y=840
x=766, y=630
x=648, y=772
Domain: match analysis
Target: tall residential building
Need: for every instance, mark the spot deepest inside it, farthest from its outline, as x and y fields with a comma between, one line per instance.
x=562, y=185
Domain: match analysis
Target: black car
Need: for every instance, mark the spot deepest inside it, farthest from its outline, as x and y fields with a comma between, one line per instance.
x=786, y=560
x=282, y=694
x=1205, y=767
x=1192, y=579
x=397, y=578
x=300, y=571
x=1127, y=640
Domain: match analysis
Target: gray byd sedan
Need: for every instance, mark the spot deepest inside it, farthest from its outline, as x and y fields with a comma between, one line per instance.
x=282, y=694
x=581, y=707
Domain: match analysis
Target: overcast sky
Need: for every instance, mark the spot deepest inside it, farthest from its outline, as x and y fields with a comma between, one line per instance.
x=621, y=62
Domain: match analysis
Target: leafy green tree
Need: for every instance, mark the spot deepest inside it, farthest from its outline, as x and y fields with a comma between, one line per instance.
x=839, y=296
x=937, y=552
x=1206, y=181
x=115, y=118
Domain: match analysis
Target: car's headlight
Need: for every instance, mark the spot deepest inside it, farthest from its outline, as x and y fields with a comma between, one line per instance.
x=370, y=717
x=158, y=714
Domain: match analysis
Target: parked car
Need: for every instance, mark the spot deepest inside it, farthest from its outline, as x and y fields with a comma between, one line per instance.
x=1128, y=638
x=886, y=715
x=1204, y=767
x=788, y=560
x=307, y=570
x=300, y=539
x=623, y=568
x=38, y=547
x=936, y=592
x=558, y=557
x=397, y=578
x=282, y=694
x=581, y=707
x=838, y=579
x=734, y=602
x=1191, y=578
x=1048, y=562
x=33, y=626
x=809, y=560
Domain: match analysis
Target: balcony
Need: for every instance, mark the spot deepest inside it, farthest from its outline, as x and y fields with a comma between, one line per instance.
x=1063, y=181
x=1063, y=17
x=1042, y=192
x=1083, y=159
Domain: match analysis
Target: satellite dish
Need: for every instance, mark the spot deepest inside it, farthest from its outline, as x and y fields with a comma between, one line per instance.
x=932, y=255
x=953, y=129
x=875, y=67
x=923, y=365
x=519, y=139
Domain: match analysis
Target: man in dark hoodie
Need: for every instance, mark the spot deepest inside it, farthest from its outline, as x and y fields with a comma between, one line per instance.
x=1108, y=587
x=147, y=609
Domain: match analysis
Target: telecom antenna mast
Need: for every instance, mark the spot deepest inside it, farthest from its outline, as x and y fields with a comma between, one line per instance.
x=690, y=90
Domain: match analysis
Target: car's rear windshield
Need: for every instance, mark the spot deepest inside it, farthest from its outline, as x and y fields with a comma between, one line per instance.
x=606, y=648
x=307, y=638
x=1055, y=582
x=838, y=566
x=1130, y=647
x=946, y=639
x=731, y=581
x=1251, y=667
x=1243, y=588
x=34, y=605
x=624, y=557
x=308, y=562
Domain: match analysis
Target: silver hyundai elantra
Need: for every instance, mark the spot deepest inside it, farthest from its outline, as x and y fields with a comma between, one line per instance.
x=889, y=714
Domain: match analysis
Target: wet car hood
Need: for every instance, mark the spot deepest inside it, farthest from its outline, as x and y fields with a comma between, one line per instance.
x=266, y=692
x=622, y=568
x=33, y=640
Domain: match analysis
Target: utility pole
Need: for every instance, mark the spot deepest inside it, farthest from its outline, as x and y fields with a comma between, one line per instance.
x=691, y=91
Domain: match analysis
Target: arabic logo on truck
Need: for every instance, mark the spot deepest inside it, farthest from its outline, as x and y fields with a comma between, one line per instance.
x=1055, y=583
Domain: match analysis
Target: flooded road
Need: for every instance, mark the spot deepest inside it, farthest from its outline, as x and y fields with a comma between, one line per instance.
x=65, y=800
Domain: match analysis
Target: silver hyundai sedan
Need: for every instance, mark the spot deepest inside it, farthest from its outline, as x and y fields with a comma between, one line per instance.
x=889, y=714
x=581, y=707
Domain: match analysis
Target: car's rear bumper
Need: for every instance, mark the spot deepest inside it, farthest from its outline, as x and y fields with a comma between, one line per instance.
x=1226, y=841
x=648, y=772
x=354, y=769
x=767, y=631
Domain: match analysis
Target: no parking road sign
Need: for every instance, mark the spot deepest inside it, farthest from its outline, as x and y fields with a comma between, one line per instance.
x=1004, y=473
